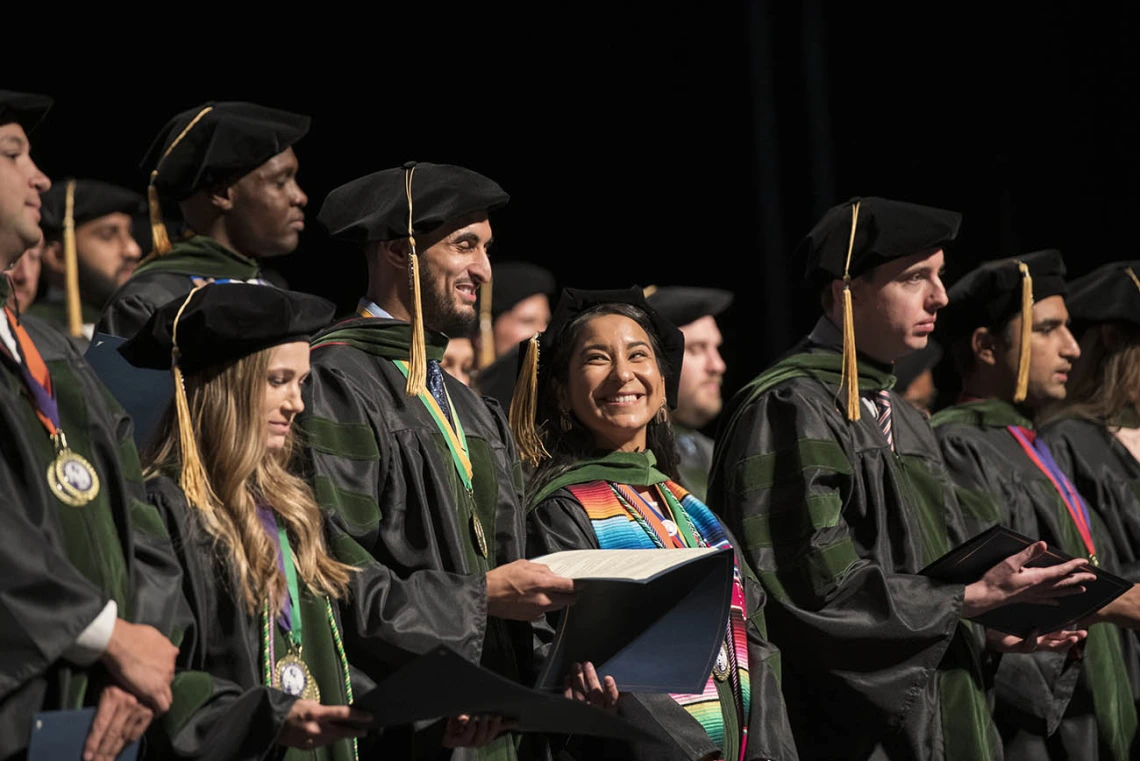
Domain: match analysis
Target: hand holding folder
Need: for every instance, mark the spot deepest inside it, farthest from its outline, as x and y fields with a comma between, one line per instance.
x=1052, y=606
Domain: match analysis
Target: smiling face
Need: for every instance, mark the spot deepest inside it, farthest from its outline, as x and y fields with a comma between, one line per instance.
x=288, y=370
x=451, y=270
x=895, y=305
x=614, y=385
x=21, y=183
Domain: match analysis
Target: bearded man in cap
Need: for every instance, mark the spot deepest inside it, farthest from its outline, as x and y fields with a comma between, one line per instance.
x=232, y=170
x=87, y=227
x=419, y=469
x=835, y=487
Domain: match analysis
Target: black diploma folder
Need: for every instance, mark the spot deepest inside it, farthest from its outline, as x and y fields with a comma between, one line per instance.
x=442, y=683
x=970, y=560
x=654, y=620
x=61, y=735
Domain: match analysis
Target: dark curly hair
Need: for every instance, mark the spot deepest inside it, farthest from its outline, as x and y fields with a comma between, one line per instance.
x=566, y=448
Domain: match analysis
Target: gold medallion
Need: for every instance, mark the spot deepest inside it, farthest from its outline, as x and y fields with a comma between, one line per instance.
x=293, y=677
x=722, y=665
x=72, y=479
x=480, y=537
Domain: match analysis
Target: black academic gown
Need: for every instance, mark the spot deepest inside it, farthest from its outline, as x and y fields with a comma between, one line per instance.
x=877, y=663
x=161, y=279
x=1108, y=477
x=558, y=522
x=60, y=565
x=52, y=309
x=222, y=710
x=1035, y=713
x=694, y=455
x=381, y=465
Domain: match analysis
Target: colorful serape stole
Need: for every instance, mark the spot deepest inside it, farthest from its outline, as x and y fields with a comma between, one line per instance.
x=620, y=524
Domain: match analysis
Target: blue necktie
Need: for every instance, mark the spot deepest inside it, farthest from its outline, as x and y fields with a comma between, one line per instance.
x=435, y=387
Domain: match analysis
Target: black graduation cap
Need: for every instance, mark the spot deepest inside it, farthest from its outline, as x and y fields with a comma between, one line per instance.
x=25, y=109
x=991, y=294
x=682, y=305
x=572, y=303
x=1107, y=294
x=222, y=322
x=216, y=143
x=994, y=293
x=514, y=281
x=375, y=207
x=886, y=230
x=93, y=199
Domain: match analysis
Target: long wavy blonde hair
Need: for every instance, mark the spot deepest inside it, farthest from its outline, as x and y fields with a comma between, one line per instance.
x=1106, y=377
x=227, y=407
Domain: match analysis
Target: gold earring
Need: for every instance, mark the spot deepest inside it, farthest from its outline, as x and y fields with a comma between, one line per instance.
x=662, y=414
x=564, y=421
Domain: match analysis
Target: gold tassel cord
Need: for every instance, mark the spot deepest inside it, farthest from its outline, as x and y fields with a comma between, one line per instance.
x=194, y=481
x=486, y=326
x=71, y=265
x=1132, y=275
x=1025, y=350
x=648, y=290
x=160, y=239
x=524, y=407
x=849, y=379
x=417, y=353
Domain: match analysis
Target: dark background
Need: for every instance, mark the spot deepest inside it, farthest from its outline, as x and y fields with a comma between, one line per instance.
x=654, y=143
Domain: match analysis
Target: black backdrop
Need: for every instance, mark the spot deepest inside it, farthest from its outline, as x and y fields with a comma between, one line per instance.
x=647, y=143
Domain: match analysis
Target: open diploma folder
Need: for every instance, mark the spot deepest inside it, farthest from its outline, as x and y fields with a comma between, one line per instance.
x=442, y=683
x=654, y=620
x=61, y=735
x=970, y=560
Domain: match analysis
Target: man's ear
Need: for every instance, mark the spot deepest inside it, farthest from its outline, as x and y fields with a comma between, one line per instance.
x=52, y=257
x=394, y=252
x=985, y=345
x=222, y=198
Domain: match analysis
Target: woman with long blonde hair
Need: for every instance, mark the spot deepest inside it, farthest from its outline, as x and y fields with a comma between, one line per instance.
x=280, y=600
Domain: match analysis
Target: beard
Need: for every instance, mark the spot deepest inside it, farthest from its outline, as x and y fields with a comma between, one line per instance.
x=96, y=287
x=443, y=315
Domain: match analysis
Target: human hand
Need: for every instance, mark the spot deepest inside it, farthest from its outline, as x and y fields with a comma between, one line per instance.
x=120, y=719
x=141, y=659
x=1053, y=642
x=583, y=685
x=310, y=725
x=1013, y=580
x=466, y=731
x=523, y=591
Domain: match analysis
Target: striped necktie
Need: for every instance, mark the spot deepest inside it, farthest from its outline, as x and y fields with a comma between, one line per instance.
x=883, y=404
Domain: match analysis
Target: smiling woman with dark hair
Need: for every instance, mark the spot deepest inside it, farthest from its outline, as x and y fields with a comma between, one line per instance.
x=593, y=417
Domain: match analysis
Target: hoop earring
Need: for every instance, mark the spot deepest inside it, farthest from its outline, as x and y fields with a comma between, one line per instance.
x=564, y=421
x=662, y=414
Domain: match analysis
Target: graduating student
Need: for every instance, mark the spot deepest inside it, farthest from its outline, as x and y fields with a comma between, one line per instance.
x=278, y=608
x=420, y=470
x=599, y=391
x=694, y=311
x=90, y=583
x=232, y=171
x=835, y=487
x=1094, y=434
x=89, y=252
x=1008, y=325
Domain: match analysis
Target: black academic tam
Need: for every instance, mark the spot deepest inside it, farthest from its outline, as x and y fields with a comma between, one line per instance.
x=682, y=305
x=25, y=109
x=1107, y=294
x=226, y=321
x=989, y=296
x=93, y=199
x=375, y=207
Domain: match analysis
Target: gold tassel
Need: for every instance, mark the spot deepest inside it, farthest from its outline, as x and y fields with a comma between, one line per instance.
x=71, y=265
x=1025, y=351
x=417, y=355
x=648, y=290
x=194, y=481
x=160, y=239
x=486, y=326
x=524, y=406
x=1135, y=280
x=850, y=372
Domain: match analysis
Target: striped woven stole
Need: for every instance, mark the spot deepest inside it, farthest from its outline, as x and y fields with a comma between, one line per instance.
x=619, y=527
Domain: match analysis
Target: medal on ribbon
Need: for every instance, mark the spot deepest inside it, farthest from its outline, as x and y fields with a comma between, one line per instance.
x=291, y=674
